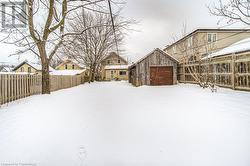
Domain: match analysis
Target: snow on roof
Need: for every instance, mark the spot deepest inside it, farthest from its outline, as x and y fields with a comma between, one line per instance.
x=67, y=72
x=240, y=46
x=152, y=52
x=6, y=69
x=17, y=73
x=110, y=67
x=34, y=65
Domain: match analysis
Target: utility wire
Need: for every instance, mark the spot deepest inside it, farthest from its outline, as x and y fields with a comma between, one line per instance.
x=113, y=26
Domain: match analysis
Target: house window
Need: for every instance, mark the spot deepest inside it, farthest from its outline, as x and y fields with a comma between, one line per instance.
x=108, y=61
x=119, y=61
x=211, y=37
x=73, y=67
x=66, y=67
x=13, y=14
x=190, y=41
x=29, y=69
x=122, y=73
x=22, y=69
x=174, y=49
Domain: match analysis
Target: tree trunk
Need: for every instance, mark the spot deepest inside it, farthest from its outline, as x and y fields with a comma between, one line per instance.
x=45, y=78
x=92, y=76
x=93, y=73
x=90, y=73
x=45, y=69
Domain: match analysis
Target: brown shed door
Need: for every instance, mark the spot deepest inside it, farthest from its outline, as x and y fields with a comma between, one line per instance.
x=161, y=75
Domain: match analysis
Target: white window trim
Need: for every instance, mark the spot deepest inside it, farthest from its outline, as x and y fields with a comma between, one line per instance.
x=14, y=8
x=174, y=49
x=212, y=35
x=190, y=41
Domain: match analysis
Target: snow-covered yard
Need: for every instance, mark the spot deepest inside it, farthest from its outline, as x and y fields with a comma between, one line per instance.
x=115, y=124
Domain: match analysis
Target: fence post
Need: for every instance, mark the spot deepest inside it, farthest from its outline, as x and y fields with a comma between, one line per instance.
x=184, y=73
x=233, y=71
x=1, y=90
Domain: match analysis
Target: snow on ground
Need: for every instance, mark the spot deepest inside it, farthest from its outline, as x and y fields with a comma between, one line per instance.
x=115, y=124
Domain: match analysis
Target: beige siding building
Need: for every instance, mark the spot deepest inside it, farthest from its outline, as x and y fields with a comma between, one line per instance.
x=69, y=65
x=26, y=67
x=201, y=42
x=114, y=67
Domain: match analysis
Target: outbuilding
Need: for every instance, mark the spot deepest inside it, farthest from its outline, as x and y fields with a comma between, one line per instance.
x=156, y=68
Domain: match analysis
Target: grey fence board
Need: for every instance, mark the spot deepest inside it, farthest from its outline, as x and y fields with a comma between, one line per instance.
x=16, y=86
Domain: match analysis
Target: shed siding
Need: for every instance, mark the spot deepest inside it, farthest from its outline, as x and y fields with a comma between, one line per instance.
x=142, y=68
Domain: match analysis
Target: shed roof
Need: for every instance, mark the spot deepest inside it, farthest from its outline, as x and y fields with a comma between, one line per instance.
x=155, y=50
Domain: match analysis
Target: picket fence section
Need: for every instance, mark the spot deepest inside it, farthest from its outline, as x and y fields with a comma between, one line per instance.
x=17, y=86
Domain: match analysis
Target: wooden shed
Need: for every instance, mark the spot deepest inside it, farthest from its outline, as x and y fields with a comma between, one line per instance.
x=156, y=68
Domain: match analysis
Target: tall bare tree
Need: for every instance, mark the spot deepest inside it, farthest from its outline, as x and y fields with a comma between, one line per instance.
x=47, y=21
x=232, y=10
x=198, y=66
x=94, y=44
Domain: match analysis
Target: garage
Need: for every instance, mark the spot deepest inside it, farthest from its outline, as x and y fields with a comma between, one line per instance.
x=161, y=75
x=155, y=69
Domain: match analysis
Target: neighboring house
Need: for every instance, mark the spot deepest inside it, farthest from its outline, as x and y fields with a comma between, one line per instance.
x=202, y=42
x=26, y=67
x=116, y=72
x=69, y=65
x=114, y=67
x=156, y=68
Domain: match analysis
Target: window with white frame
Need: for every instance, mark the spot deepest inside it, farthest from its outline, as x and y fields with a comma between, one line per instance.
x=174, y=49
x=211, y=37
x=190, y=41
x=13, y=14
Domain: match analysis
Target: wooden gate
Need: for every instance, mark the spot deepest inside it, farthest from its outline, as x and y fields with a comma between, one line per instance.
x=161, y=75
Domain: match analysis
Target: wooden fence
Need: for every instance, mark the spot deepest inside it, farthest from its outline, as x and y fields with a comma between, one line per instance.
x=15, y=86
x=228, y=71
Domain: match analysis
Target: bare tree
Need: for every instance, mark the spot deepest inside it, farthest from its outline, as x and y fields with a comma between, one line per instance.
x=94, y=44
x=47, y=22
x=196, y=65
x=232, y=10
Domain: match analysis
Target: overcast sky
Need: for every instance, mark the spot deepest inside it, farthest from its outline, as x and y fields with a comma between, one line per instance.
x=159, y=20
